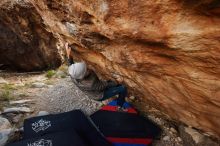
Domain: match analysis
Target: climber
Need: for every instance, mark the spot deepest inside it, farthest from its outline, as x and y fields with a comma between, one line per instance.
x=87, y=80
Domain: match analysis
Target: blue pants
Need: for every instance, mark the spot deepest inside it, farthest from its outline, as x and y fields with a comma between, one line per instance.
x=117, y=90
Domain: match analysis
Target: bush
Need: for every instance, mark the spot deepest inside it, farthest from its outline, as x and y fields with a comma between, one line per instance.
x=6, y=92
x=50, y=73
x=6, y=95
x=8, y=87
x=63, y=76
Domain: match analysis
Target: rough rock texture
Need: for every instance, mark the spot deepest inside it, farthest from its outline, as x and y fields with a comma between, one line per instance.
x=24, y=42
x=166, y=51
x=192, y=137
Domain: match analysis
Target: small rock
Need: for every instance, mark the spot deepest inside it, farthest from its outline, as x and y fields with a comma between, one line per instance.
x=132, y=97
x=191, y=137
x=179, y=139
x=173, y=130
x=159, y=121
x=17, y=110
x=4, y=124
x=20, y=101
x=38, y=85
x=17, y=118
x=4, y=136
x=3, y=81
x=197, y=137
x=166, y=138
x=43, y=113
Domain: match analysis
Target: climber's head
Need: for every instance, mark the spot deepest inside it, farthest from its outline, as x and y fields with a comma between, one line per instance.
x=78, y=70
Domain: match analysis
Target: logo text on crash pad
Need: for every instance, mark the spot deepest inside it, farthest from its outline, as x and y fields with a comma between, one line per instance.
x=41, y=142
x=41, y=125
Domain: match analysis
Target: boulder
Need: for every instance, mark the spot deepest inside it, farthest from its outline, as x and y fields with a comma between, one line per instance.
x=5, y=136
x=167, y=52
x=192, y=137
x=4, y=124
x=25, y=44
x=5, y=130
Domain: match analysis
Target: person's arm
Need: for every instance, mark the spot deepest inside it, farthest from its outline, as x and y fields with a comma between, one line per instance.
x=92, y=83
x=99, y=85
x=68, y=52
x=70, y=61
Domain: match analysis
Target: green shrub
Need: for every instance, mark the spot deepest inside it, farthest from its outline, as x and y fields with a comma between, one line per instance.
x=6, y=92
x=8, y=87
x=6, y=95
x=63, y=76
x=50, y=73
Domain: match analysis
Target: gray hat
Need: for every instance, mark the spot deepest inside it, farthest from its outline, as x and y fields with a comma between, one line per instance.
x=78, y=70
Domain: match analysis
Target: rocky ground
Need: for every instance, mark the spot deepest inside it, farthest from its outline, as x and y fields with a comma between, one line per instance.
x=25, y=94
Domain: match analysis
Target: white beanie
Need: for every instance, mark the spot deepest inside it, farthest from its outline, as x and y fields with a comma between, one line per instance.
x=78, y=70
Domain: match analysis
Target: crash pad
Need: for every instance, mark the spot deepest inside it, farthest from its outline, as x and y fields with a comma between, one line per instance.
x=125, y=128
x=53, y=139
x=73, y=121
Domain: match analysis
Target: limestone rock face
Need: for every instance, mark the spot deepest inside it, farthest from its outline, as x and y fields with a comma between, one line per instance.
x=166, y=51
x=24, y=42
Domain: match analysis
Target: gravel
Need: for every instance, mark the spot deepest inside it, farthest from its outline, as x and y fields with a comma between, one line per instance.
x=65, y=96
